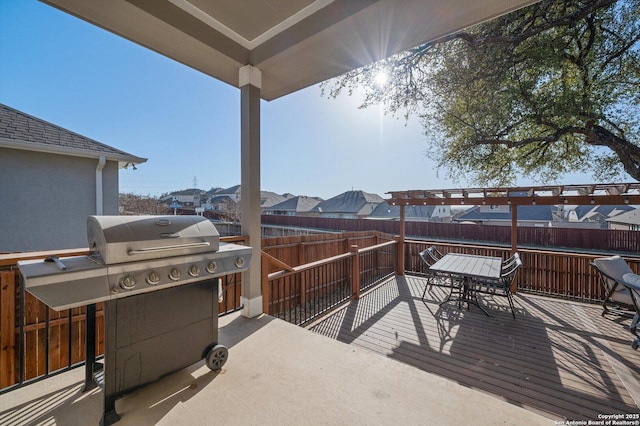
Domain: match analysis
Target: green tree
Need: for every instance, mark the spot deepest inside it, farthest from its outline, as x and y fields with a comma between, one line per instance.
x=547, y=90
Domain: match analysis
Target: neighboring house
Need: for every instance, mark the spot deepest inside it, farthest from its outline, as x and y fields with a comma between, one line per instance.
x=348, y=205
x=501, y=215
x=412, y=213
x=51, y=179
x=296, y=206
x=629, y=220
x=188, y=198
x=596, y=214
x=222, y=203
x=269, y=199
x=233, y=193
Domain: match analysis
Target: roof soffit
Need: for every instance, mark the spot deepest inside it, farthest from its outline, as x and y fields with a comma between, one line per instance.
x=295, y=43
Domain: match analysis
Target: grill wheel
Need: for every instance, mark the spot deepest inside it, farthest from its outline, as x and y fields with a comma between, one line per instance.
x=216, y=357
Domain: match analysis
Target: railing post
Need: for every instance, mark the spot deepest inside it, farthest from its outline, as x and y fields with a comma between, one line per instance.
x=514, y=228
x=400, y=267
x=7, y=328
x=355, y=272
x=266, y=294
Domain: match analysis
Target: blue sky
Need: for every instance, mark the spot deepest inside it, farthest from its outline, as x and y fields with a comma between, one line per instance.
x=60, y=69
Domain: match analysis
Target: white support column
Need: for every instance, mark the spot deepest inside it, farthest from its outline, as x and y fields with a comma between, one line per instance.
x=250, y=84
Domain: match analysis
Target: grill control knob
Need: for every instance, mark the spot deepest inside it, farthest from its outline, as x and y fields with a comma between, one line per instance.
x=240, y=262
x=175, y=274
x=194, y=271
x=127, y=282
x=211, y=267
x=153, y=278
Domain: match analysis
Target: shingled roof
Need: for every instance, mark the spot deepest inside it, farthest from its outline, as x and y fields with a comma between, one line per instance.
x=298, y=204
x=412, y=213
x=525, y=213
x=350, y=202
x=631, y=217
x=19, y=130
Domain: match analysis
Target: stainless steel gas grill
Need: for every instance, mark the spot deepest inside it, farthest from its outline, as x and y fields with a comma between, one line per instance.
x=157, y=277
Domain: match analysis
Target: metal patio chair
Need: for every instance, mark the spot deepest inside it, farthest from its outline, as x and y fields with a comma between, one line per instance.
x=430, y=256
x=501, y=287
x=617, y=298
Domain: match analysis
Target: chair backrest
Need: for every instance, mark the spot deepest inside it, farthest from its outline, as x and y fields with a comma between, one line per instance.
x=509, y=272
x=430, y=255
x=510, y=261
x=426, y=258
x=436, y=253
x=612, y=269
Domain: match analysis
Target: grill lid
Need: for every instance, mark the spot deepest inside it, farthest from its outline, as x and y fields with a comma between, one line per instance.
x=133, y=255
x=120, y=239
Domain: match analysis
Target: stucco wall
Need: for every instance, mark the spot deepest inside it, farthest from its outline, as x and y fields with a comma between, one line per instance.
x=45, y=199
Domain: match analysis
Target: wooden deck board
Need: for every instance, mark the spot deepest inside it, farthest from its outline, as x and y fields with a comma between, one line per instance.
x=557, y=357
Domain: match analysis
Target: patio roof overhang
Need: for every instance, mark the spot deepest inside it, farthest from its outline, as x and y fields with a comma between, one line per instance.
x=295, y=43
x=597, y=194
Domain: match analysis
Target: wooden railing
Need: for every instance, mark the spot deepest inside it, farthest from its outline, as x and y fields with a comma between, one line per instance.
x=302, y=293
x=545, y=272
x=303, y=278
x=584, y=239
x=37, y=342
x=299, y=250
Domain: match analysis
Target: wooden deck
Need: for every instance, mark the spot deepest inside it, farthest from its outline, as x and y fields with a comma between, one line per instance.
x=558, y=358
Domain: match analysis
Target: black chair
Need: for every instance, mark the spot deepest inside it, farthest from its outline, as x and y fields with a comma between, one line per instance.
x=502, y=286
x=430, y=256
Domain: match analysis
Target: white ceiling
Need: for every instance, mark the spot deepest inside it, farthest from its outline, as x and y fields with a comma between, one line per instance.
x=295, y=43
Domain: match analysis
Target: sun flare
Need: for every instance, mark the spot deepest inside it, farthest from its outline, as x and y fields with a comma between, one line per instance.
x=381, y=78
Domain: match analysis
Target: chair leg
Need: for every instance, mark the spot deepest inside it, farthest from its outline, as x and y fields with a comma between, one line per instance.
x=429, y=283
x=510, y=298
x=427, y=286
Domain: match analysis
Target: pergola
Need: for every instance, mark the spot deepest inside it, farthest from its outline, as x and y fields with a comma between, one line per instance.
x=550, y=195
x=269, y=49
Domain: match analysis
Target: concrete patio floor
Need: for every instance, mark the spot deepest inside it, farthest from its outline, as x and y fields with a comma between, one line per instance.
x=277, y=373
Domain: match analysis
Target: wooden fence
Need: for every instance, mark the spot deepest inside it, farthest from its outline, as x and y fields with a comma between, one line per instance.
x=543, y=237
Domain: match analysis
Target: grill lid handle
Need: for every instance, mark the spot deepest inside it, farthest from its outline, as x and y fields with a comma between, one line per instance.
x=58, y=262
x=167, y=248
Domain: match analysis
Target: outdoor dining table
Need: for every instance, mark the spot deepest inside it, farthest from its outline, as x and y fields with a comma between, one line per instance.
x=468, y=267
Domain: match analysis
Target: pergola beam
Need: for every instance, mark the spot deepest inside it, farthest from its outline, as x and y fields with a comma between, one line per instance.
x=595, y=194
x=589, y=194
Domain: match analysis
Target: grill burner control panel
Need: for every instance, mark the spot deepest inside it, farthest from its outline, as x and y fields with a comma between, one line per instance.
x=85, y=280
x=151, y=275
